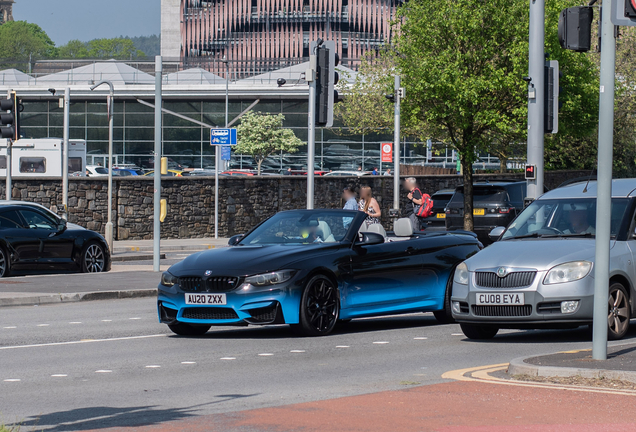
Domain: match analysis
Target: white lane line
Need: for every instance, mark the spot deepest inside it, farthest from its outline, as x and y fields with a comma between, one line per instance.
x=342, y=346
x=153, y=366
x=188, y=362
x=381, y=342
x=457, y=334
x=134, y=318
x=10, y=327
x=81, y=342
x=265, y=354
x=297, y=351
x=75, y=322
x=12, y=380
x=106, y=320
x=103, y=371
x=59, y=375
x=43, y=325
x=420, y=338
x=227, y=358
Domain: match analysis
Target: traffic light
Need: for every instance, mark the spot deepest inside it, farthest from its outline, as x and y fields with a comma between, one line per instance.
x=623, y=12
x=9, y=118
x=575, y=28
x=551, y=100
x=326, y=79
x=630, y=8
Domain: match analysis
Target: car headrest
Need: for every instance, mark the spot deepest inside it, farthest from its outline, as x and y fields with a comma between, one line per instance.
x=403, y=227
x=376, y=228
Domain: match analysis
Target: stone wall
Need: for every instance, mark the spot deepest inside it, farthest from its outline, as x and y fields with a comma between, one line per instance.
x=244, y=201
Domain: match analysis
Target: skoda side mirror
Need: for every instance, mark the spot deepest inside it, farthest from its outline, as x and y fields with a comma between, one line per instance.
x=234, y=240
x=496, y=233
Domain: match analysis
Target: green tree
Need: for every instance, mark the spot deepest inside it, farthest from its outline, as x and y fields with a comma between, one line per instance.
x=21, y=41
x=117, y=48
x=73, y=49
x=260, y=135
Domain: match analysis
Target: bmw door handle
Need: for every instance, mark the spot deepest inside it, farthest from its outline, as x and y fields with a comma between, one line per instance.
x=410, y=250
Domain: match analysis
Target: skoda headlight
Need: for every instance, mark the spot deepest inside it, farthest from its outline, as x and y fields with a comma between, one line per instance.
x=461, y=274
x=568, y=272
x=266, y=279
x=168, y=279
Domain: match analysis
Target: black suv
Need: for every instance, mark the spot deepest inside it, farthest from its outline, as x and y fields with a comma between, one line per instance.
x=494, y=204
x=437, y=218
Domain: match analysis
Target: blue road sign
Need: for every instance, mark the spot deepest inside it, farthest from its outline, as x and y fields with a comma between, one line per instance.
x=226, y=153
x=223, y=137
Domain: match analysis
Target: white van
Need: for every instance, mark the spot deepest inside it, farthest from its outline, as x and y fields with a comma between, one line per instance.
x=43, y=158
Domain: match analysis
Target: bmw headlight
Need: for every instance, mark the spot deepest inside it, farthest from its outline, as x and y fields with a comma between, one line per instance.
x=168, y=279
x=461, y=274
x=568, y=272
x=266, y=279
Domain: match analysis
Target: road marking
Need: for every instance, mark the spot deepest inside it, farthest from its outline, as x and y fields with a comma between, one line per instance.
x=153, y=366
x=297, y=351
x=12, y=380
x=188, y=362
x=106, y=320
x=10, y=327
x=59, y=375
x=457, y=334
x=135, y=318
x=420, y=338
x=227, y=358
x=342, y=346
x=75, y=322
x=266, y=354
x=80, y=342
x=381, y=342
x=43, y=325
x=103, y=371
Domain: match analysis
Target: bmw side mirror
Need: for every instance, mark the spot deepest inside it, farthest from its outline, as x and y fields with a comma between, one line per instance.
x=235, y=239
x=61, y=226
x=496, y=233
x=370, y=239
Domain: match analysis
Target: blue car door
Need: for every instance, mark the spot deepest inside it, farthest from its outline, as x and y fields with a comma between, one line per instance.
x=383, y=277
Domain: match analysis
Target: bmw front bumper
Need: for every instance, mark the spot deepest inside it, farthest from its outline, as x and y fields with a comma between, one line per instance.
x=541, y=308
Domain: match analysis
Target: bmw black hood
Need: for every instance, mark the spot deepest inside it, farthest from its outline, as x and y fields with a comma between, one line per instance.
x=247, y=260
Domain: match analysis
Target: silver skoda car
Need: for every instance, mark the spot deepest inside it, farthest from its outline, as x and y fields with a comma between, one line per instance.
x=540, y=271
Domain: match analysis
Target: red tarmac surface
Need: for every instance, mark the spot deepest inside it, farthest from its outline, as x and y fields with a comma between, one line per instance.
x=449, y=407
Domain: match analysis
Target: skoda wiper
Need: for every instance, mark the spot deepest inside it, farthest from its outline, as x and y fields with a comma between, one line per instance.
x=587, y=234
x=530, y=235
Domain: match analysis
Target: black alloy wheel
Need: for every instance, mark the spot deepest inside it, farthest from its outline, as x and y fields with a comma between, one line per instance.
x=319, y=307
x=479, y=332
x=183, y=329
x=93, y=258
x=5, y=265
x=618, y=312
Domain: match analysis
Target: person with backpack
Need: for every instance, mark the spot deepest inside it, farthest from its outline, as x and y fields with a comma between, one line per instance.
x=421, y=204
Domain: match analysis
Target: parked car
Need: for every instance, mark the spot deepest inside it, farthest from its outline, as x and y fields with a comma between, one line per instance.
x=171, y=173
x=96, y=171
x=32, y=235
x=311, y=268
x=494, y=204
x=347, y=173
x=437, y=219
x=238, y=173
x=127, y=172
x=540, y=274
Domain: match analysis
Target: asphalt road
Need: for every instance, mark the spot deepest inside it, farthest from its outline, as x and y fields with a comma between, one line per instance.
x=100, y=364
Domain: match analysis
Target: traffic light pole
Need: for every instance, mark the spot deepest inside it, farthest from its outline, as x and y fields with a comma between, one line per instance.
x=396, y=147
x=604, y=184
x=536, y=95
x=311, y=125
x=8, y=185
x=156, y=233
x=65, y=150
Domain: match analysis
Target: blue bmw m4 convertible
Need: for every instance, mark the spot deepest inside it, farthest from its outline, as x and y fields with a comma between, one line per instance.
x=311, y=268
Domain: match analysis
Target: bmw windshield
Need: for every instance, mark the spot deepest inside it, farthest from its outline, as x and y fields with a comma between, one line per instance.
x=302, y=227
x=573, y=217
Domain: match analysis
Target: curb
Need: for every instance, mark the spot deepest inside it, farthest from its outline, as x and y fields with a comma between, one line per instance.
x=76, y=297
x=198, y=247
x=124, y=258
x=518, y=366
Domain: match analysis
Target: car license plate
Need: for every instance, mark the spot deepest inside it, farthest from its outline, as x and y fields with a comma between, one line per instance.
x=500, y=299
x=441, y=215
x=205, y=299
x=479, y=212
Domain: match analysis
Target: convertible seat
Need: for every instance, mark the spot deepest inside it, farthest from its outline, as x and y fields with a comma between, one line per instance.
x=325, y=232
x=376, y=228
x=403, y=229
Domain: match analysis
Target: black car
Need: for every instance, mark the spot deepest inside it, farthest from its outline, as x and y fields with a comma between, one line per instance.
x=32, y=235
x=311, y=268
x=438, y=218
x=494, y=204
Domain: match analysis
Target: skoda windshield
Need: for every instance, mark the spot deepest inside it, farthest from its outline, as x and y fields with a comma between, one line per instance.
x=302, y=227
x=572, y=217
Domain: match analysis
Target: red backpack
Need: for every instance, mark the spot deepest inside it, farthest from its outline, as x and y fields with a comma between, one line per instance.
x=426, y=208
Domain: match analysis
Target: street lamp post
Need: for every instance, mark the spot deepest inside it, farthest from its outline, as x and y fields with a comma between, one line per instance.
x=109, y=223
x=66, y=145
x=217, y=151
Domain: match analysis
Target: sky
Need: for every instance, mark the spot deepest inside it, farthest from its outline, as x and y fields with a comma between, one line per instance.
x=64, y=20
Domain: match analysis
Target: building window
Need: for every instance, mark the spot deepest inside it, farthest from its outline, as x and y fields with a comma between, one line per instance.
x=3, y=162
x=74, y=164
x=32, y=165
